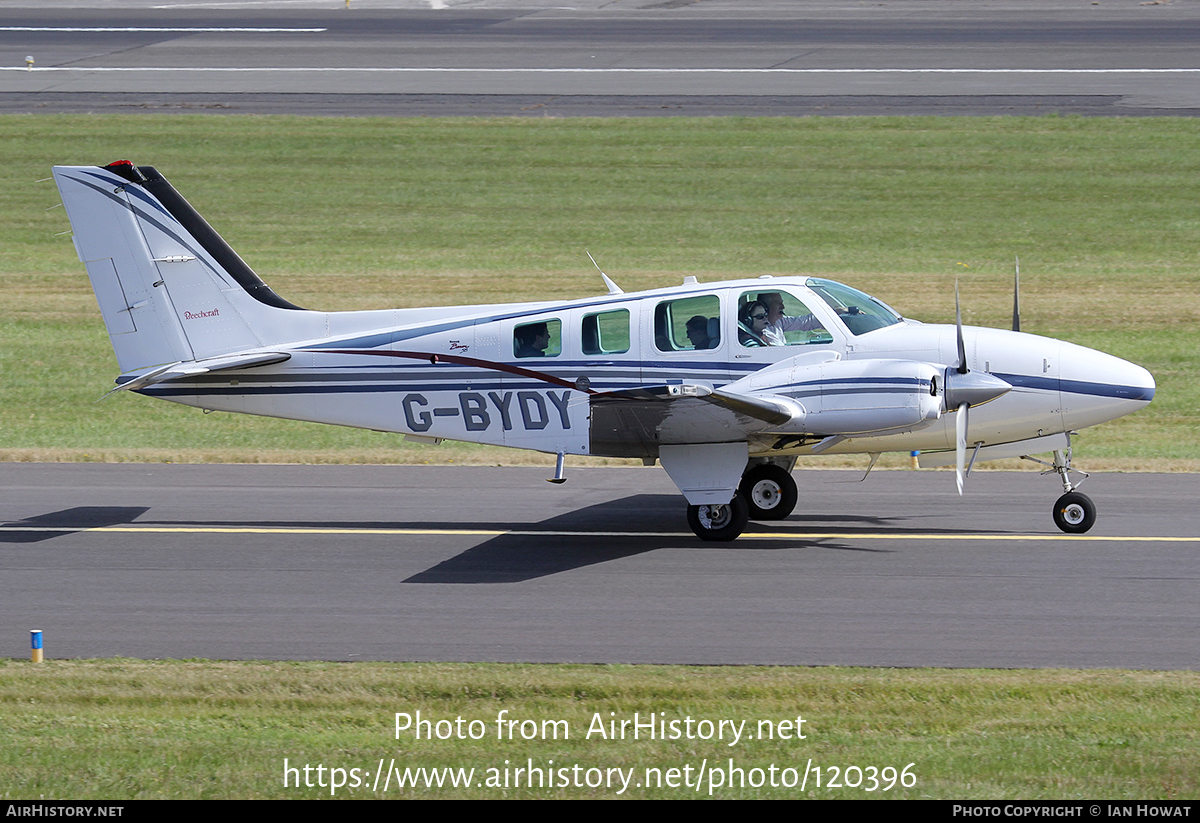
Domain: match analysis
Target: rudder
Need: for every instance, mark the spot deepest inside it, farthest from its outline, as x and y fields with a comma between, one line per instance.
x=169, y=288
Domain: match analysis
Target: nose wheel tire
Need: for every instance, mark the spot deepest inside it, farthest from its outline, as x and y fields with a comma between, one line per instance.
x=1074, y=513
x=719, y=522
x=770, y=492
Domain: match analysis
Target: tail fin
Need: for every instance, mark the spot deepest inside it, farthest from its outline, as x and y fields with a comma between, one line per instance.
x=170, y=289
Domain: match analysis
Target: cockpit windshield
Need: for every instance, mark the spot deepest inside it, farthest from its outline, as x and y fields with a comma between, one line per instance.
x=860, y=312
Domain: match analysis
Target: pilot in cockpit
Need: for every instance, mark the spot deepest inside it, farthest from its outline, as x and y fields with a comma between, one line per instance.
x=778, y=323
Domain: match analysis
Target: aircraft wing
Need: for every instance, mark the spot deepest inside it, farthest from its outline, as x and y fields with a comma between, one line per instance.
x=637, y=421
x=815, y=394
x=776, y=411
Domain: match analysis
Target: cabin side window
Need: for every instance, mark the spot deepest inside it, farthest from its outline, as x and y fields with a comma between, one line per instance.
x=606, y=332
x=540, y=339
x=774, y=317
x=688, y=324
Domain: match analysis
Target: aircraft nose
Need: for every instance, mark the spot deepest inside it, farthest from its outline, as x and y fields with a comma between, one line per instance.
x=1138, y=381
x=1097, y=387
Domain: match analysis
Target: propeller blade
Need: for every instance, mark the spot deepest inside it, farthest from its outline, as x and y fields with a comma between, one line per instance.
x=964, y=387
x=960, y=446
x=962, y=347
x=1017, y=298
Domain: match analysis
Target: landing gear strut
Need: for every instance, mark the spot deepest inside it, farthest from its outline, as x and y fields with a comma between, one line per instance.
x=1074, y=513
x=719, y=522
x=770, y=491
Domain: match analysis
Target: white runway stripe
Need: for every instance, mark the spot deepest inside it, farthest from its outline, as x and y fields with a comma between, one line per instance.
x=154, y=29
x=444, y=70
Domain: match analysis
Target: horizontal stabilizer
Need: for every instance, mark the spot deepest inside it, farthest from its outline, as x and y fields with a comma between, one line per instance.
x=191, y=368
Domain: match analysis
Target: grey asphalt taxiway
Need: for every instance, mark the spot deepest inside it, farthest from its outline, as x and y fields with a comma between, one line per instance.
x=483, y=564
x=425, y=563
x=597, y=57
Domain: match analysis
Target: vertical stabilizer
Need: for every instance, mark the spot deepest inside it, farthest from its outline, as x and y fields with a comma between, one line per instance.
x=170, y=289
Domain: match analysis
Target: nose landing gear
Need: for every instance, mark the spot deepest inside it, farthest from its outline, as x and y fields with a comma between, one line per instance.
x=1074, y=513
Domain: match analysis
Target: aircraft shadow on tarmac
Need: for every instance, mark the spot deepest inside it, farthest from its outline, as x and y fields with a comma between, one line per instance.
x=609, y=531
x=582, y=537
x=42, y=526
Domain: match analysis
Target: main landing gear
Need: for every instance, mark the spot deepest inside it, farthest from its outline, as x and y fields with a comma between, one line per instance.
x=770, y=491
x=1074, y=513
x=719, y=522
x=767, y=492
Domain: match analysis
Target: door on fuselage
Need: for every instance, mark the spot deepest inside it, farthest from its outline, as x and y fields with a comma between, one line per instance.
x=690, y=340
x=541, y=403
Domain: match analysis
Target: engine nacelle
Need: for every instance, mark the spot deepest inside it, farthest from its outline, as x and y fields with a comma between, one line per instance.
x=852, y=396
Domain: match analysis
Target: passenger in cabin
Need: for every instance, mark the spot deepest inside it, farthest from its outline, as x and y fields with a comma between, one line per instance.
x=752, y=322
x=532, y=340
x=697, y=332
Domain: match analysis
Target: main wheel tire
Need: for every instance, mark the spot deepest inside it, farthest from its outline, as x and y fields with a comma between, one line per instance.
x=719, y=522
x=770, y=492
x=1074, y=513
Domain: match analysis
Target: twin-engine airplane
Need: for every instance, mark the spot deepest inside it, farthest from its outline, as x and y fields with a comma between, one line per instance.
x=726, y=384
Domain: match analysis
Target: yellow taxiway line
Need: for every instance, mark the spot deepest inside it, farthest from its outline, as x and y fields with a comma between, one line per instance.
x=466, y=532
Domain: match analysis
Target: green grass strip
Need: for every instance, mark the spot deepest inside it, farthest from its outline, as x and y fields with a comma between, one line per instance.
x=371, y=213
x=121, y=729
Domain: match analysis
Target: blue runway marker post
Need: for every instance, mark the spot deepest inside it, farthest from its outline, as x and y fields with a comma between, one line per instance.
x=35, y=642
x=912, y=460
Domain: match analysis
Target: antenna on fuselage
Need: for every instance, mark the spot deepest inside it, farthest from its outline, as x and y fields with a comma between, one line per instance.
x=613, y=288
x=1017, y=298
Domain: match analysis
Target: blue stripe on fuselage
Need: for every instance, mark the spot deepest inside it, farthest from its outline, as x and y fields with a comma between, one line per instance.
x=1025, y=381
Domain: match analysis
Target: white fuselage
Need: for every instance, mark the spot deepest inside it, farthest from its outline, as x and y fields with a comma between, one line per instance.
x=459, y=373
x=725, y=384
